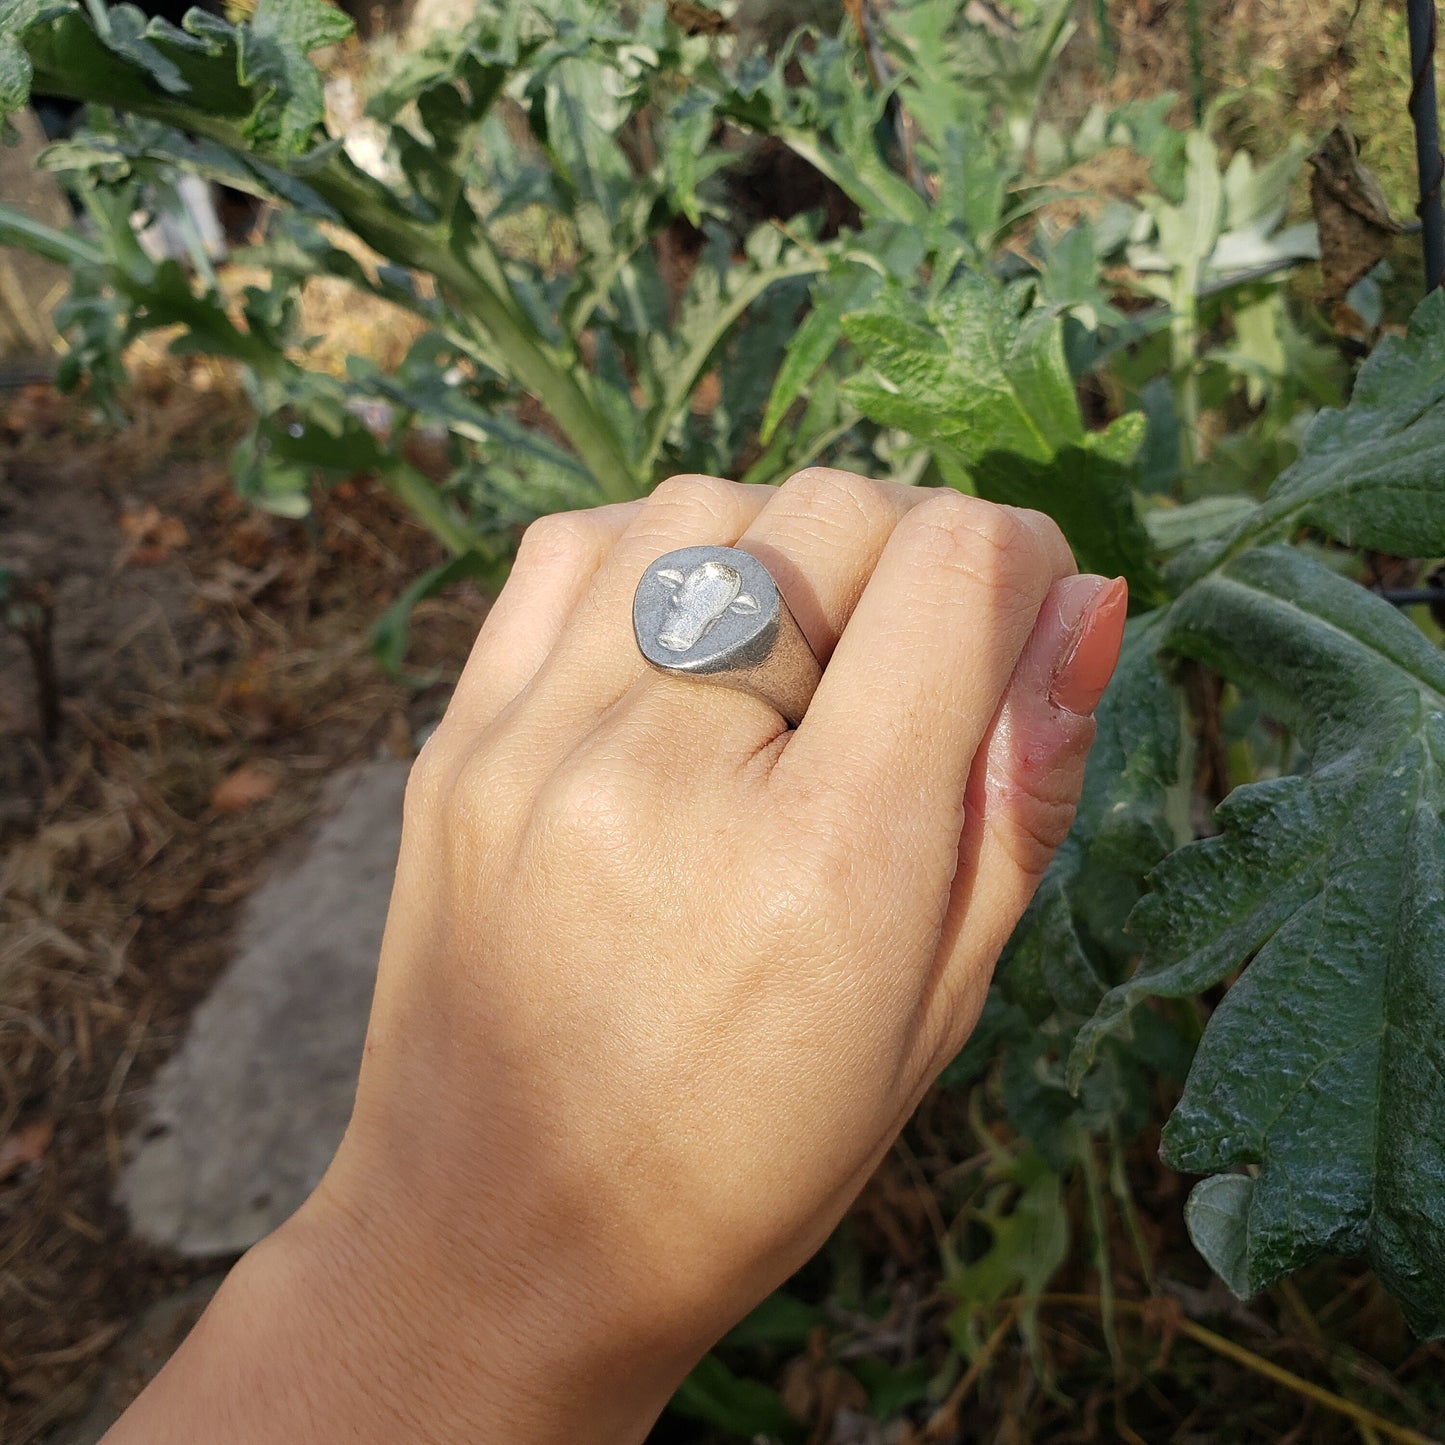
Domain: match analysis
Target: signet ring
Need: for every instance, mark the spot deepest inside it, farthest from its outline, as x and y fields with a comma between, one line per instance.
x=715, y=614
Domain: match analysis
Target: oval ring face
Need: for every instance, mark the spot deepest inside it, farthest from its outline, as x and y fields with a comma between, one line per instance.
x=705, y=610
x=700, y=599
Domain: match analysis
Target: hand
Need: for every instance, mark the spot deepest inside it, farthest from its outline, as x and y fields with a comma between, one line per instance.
x=662, y=980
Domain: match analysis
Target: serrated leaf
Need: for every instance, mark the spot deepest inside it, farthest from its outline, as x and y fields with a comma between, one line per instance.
x=274, y=59
x=981, y=377
x=1324, y=1066
x=1373, y=473
x=15, y=68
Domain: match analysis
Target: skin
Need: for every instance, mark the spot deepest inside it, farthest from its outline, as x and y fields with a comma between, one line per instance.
x=662, y=979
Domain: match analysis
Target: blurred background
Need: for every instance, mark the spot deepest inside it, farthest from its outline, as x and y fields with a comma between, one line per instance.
x=282, y=381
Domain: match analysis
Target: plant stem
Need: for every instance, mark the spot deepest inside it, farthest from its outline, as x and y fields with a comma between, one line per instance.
x=377, y=221
x=1196, y=60
x=1108, y=56
x=690, y=367
x=375, y=216
x=425, y=501
x=1425, y=112
x=1360, y=1414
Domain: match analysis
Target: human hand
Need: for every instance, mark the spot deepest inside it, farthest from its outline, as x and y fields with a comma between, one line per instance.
x=662, y=979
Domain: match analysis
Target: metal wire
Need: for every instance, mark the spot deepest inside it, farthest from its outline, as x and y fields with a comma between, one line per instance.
x=1425, y=113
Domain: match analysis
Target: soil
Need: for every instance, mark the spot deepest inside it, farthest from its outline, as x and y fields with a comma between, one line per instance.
x=211, y=666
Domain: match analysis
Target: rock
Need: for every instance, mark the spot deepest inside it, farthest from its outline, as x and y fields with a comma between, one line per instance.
x=243, y=1120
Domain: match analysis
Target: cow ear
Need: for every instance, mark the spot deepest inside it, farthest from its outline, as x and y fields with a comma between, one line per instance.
x=744, y=602
x=670, y=578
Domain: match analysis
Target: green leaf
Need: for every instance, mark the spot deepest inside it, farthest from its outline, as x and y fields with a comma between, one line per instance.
x=981, y=377
x=843, y=291
x=1373, y=474
x=712, y=1393
x=15, y=67
x=1028, y=1225
x=1324, y=1066
x=391, y=631
x=1217, y=1215
x=781, y=1319
x=273, y=53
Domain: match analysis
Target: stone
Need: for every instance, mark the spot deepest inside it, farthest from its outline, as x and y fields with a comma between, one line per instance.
x=243, y=1120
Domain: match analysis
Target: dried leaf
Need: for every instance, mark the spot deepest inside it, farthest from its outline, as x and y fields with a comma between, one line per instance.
x=1356, y=228
x=25, y=1146
x=153, y=535
x=244, y=787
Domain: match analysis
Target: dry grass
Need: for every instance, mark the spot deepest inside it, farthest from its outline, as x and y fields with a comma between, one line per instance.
x=242, y=646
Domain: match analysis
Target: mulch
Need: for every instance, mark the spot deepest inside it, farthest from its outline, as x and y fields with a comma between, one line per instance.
x=206, y=666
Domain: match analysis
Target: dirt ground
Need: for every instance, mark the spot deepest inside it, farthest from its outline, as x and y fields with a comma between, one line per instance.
x=211, y=666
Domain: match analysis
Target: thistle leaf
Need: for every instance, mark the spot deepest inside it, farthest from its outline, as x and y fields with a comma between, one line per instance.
x=1324, y=1066
x=981, y=377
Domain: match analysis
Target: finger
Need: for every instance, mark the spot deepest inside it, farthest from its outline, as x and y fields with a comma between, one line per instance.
x=596, y=659
x=1024, y=789
x=820, y=536
x=558, y=557
x=888, y=742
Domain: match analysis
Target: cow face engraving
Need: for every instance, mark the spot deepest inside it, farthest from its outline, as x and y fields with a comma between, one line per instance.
x=700, y=600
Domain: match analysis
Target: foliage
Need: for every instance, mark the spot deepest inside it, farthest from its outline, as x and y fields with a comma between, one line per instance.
x=1141, y=374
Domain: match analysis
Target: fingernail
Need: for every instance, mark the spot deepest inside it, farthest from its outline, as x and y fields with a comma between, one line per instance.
x=1092, y=612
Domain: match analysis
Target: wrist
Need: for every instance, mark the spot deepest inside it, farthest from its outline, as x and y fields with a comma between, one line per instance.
x=342, y=1326
x=456, y=1320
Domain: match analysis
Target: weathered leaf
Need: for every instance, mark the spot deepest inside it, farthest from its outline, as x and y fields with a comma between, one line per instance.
x=1373, y=474
x=1324, y=1066
x=981, y=377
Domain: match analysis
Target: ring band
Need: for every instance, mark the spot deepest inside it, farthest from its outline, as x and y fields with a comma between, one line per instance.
x=715, y=614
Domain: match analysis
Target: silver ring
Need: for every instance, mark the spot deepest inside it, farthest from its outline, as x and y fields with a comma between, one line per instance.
x=715, y=614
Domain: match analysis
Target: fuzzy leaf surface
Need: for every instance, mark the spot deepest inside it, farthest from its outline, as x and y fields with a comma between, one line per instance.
x=1324, y=1065
x=1370, y=473
x=981, y=377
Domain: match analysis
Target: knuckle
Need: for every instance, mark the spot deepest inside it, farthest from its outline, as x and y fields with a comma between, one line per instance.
x=981, y=544
x=1048, y=534
x=691, y=493
x=561, y=537
x=1033, y=819
x=829, y=493
x=429, y=780
x=588, y=809
x=798, y=900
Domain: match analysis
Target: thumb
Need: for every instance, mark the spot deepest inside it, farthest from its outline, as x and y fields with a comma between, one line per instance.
x=1024, y=787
